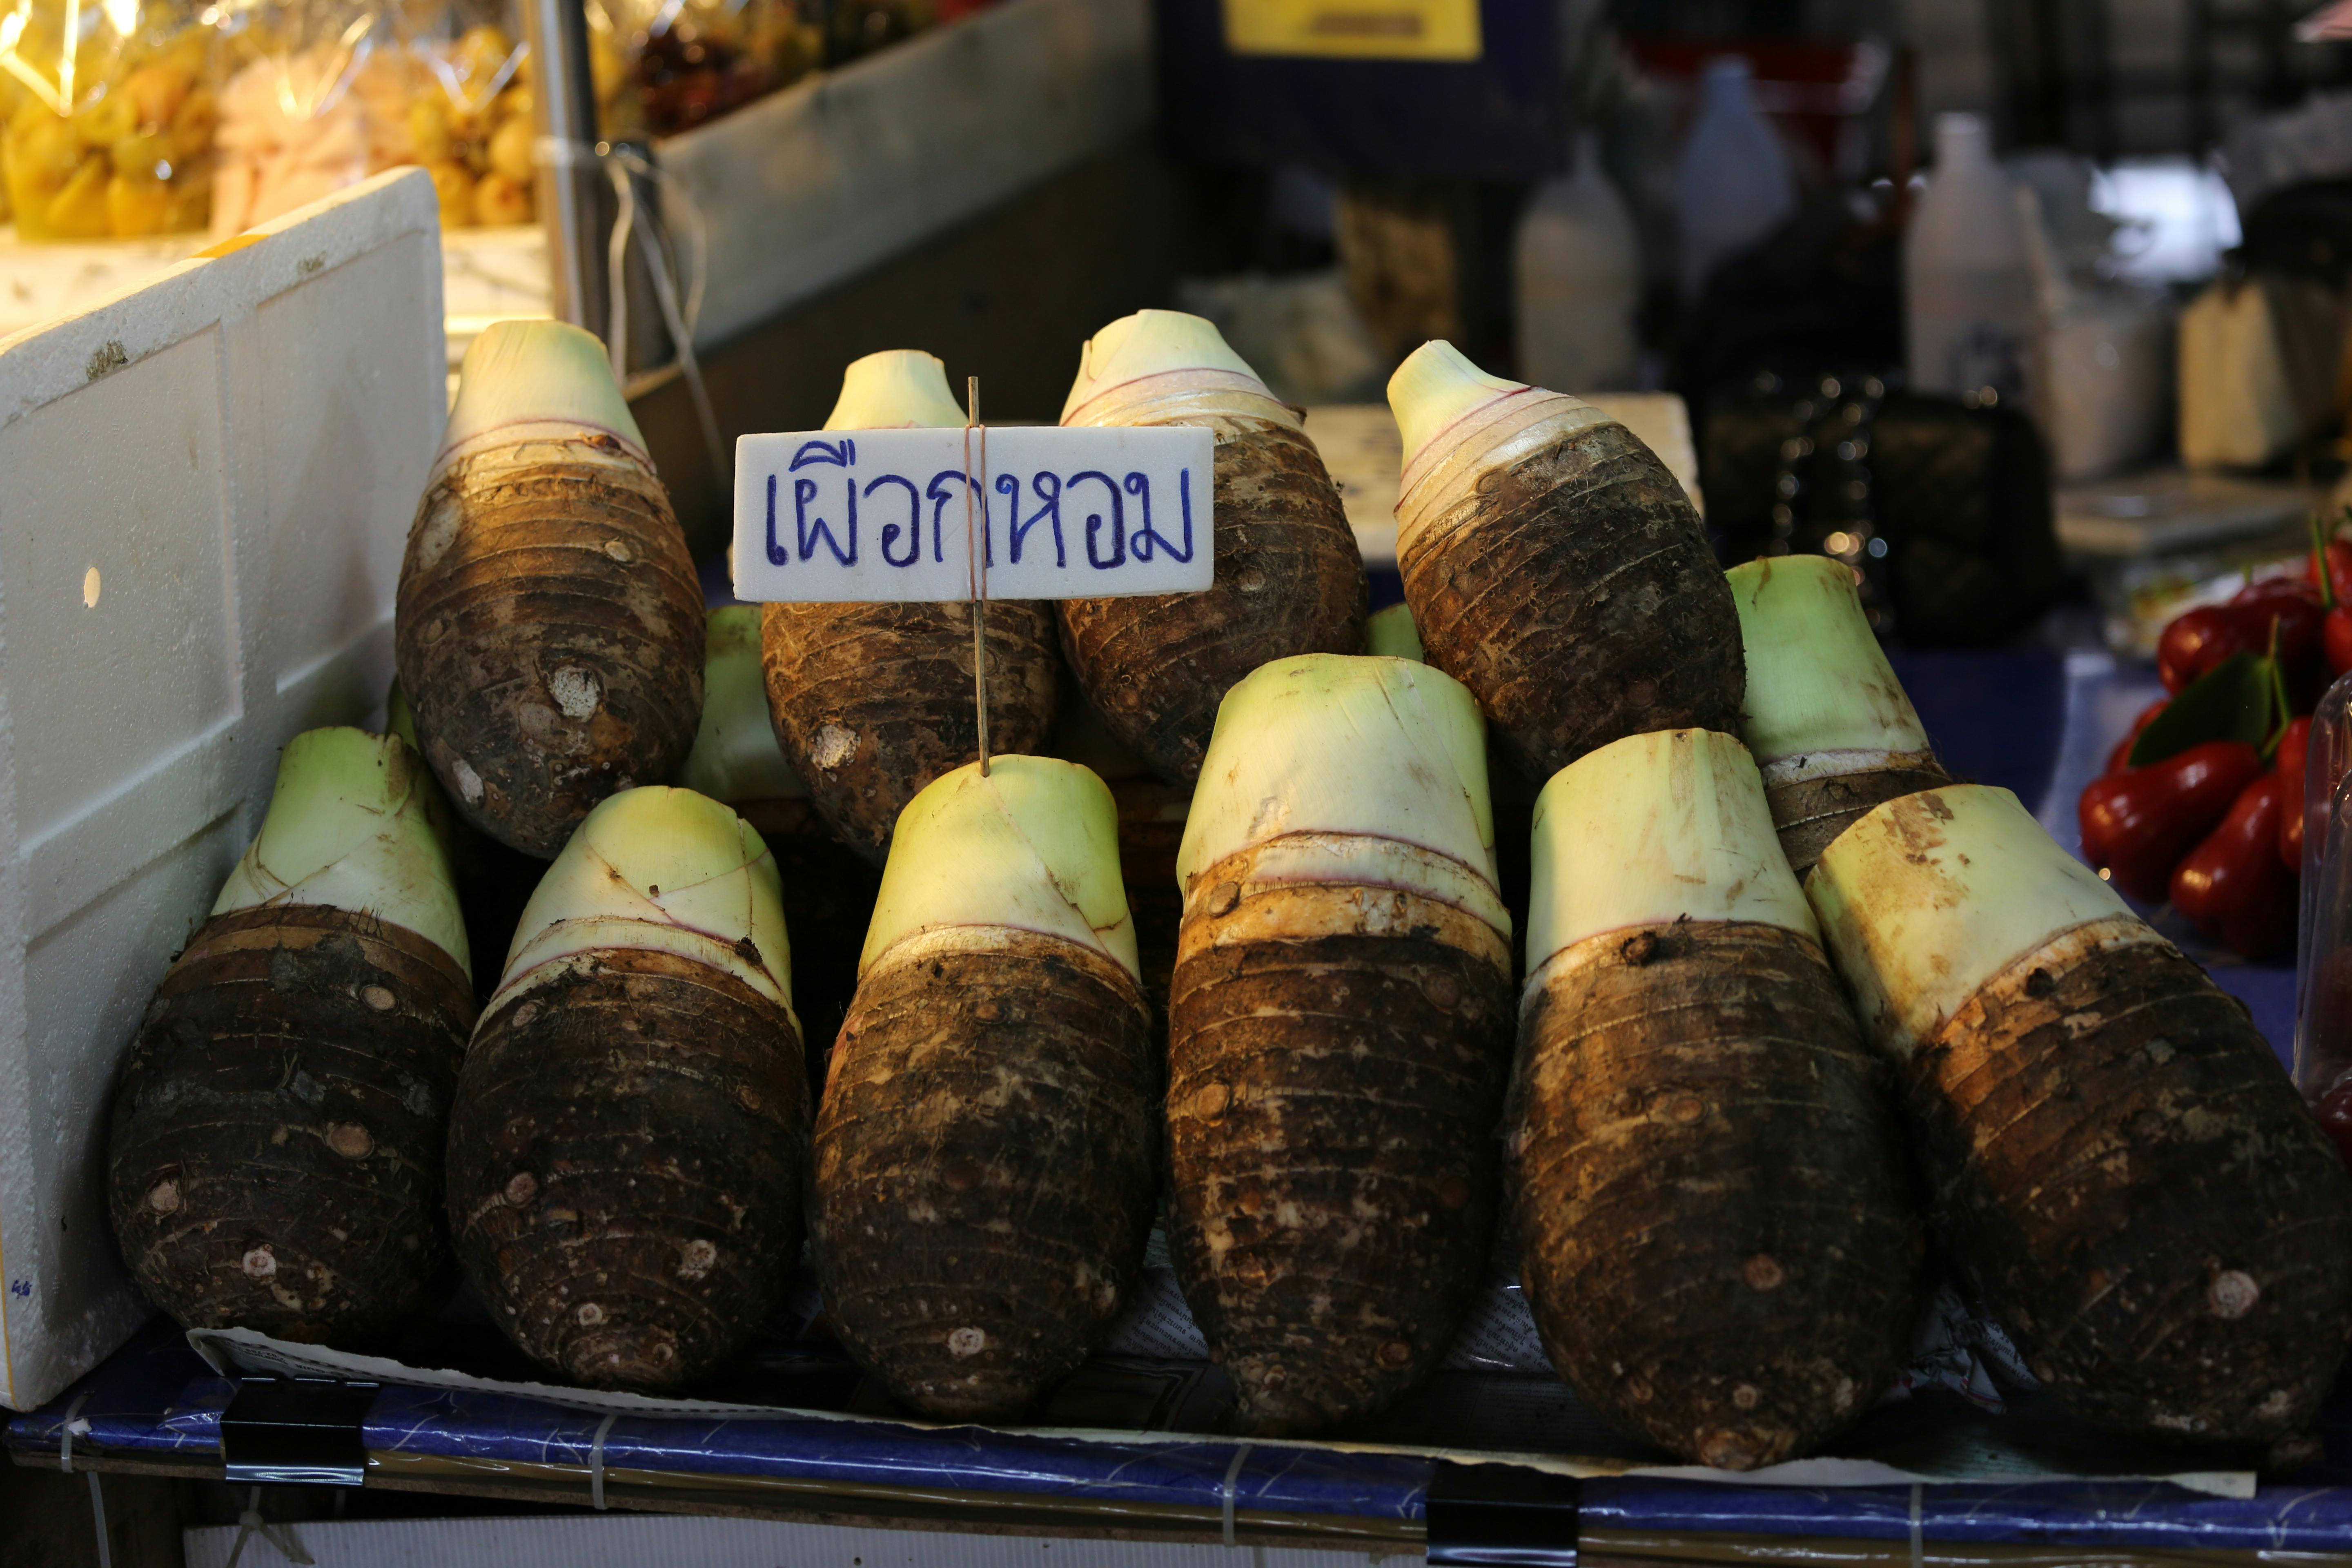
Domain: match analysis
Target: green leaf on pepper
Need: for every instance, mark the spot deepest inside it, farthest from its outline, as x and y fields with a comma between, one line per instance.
x=2237, y=700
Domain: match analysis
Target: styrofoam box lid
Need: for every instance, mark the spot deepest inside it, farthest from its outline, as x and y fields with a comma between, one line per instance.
x=209, y=483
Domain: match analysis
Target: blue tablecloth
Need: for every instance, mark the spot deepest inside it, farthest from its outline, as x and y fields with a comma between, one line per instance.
x=156, y=1399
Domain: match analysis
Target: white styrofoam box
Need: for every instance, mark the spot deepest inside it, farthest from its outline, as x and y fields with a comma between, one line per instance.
x=812, y=185
x=632, y=1541
x=208, y=482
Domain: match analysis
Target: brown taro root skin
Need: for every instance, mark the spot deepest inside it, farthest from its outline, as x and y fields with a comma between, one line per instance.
x=1151, y=817
x=2137, y=1191
x=549, y=634
x=274, y=1159
x=1574, y=593
x=985, y=1169
x=624, y=1167
x=1289, y=580
x=1331, y=1110
x=1721, y=1239
x=829, y=891
x=871, y=702
x=1809, y=812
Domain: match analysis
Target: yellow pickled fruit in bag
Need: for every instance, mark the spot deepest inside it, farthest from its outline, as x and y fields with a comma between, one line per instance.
x=106, y=122
x=480, y=54
x=137, y=205
x=43, y=149
x=428, y=127
x=511, y=152
x=188, y=204
x=454, y=187
x=193, y=124
x=498, y=200
x=145, y=154
x=155, y=92
x=78, y=211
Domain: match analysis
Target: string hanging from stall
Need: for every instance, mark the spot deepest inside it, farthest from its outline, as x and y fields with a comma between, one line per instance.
x=976, y=545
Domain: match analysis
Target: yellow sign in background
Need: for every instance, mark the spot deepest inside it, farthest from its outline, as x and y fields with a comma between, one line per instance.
x=1355, y=29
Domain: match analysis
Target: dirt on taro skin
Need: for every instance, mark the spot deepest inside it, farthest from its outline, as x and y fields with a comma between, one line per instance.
x=549, y=634
x=2137, y=1191
x=985, y=1170
x=1719, y=1234
x=871, y=702
x=624, y=1167
x=1289, y=580
x=274, y=1154
x=1574, y=593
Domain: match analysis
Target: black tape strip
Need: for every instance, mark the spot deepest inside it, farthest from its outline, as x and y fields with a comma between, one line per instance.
x=1501, y=1516
x=296, y=1431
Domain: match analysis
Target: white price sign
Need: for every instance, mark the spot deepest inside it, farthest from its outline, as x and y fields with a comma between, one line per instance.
x=1076, y=512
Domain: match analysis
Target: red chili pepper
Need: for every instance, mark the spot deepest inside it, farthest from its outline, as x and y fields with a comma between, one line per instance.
x=2278, y=587
x=2336, y=1115
x=2339, y=569
x=2335, y=638
x=2233, y=885
x=2293, y=750
x=2199, y=639
x=2138, y=826
x=2120, y=758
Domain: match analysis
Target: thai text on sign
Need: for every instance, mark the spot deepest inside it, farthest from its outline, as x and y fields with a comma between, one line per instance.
x=1078, y=513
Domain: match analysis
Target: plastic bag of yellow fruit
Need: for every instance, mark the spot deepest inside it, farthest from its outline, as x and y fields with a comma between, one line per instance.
x=470, y=126
x=112, y=137
x=317, y=99
x=327, y=92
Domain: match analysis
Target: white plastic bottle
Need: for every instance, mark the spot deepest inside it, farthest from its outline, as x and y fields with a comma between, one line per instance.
x=1579, y=269
x=1733, y=185
x=1967, y=276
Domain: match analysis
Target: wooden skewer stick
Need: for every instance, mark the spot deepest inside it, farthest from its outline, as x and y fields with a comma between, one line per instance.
x=979, y=558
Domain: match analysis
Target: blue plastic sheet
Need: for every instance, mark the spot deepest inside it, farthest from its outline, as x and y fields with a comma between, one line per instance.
x=156, y=1399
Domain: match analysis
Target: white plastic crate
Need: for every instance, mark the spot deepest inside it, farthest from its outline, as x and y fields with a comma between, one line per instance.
x=205, y=489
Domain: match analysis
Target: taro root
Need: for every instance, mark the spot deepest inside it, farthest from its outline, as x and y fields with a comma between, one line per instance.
x=625, y=1157
x=1718, y=1232
x=1555, y=567
x=873, y=701
x=273, y=1160
x=1151, y=827
x=1825, y=717
x=549, y=627
x=2113, y=1154
x=985, y=1163
x=1289, y=579
x=494, y=882
x=1338, y=1031
x=1391, y=635
x=828, y=888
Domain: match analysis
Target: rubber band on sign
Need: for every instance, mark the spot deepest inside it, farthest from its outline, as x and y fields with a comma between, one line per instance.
x=64, y=1442
x=1233, y=1472
x=596, y=1460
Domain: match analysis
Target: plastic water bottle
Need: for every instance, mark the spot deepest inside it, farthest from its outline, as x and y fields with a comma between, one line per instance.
x=1579, y=270
x=1733, y=185
x=1967, y=276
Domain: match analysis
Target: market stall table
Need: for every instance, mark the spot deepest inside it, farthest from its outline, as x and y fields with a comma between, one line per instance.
x=1116, y=1454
